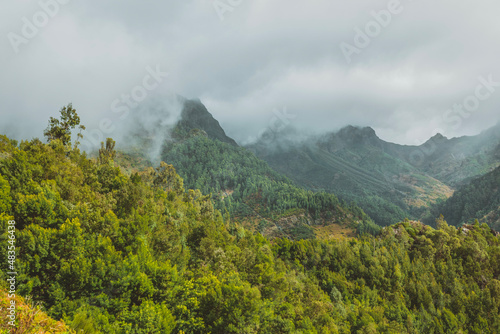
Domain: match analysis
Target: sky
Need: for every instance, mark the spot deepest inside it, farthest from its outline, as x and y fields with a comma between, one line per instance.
x=408, y=69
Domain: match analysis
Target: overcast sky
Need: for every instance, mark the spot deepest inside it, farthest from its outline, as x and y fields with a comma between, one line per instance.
x=253, y=62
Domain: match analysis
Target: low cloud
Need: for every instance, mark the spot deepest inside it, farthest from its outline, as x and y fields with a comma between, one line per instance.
x=262, y=56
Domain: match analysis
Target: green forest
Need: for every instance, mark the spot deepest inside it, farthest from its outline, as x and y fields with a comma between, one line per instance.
x=389, y=181
x=256, y=191
x=108, y=249
x=478, y=199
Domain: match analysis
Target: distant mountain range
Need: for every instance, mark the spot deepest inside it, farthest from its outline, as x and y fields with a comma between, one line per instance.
x=390, y=182
x=242, y=186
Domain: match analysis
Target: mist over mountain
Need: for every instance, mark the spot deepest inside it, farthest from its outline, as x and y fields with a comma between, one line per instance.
x=148, y=126
x=389, y=181
x=236, y=167
x=196, y=116
x=162, y=119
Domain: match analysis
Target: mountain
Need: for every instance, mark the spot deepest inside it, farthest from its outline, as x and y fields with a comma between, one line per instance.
x=112, y=248
x=166, y=119
x=453, y=161
x=479, y=199
x=242, y=185
x=389, y=181
x=196, y=116
x=354, y=165
x=109, y=252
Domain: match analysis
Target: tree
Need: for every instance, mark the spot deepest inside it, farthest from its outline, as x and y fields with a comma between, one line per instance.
x=107, y=153
x=5, y=198
x=168, y=179
x=61, y=129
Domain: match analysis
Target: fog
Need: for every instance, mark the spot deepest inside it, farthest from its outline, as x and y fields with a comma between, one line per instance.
x=408, y=69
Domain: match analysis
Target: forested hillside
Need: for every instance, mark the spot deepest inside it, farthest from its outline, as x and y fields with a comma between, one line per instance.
x=248, y=189
x=354, y=165
x=111, y=252
x=388, y=181
x=480, y=199
x=242, y=185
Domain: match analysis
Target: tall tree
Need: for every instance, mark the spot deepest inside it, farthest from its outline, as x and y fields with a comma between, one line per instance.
x=107, y=153
x=61, y=128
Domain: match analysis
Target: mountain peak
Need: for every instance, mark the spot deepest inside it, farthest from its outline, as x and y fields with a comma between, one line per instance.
x=196, y=116
x=357, y=135
x=438, y=137
x=350, y=137
x=351, y=129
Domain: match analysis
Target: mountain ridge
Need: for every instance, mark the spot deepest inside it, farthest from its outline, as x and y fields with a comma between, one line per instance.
x=356, y=164
x=389, y=181
x=479, y=199
x=242, y=185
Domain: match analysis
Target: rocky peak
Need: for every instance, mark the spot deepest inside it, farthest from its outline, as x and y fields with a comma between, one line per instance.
x=196, y=116
x=356, y=135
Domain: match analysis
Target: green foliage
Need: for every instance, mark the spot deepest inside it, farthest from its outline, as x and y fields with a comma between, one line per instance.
x=60, y=129
x=248, y=188
x=479, y=199
x=5, y=199
x=107, y=153
x=110, y=252
x=412, y=279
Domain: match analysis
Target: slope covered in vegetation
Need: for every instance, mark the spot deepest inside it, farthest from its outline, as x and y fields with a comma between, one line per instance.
x=388, y=181
x=30, y=318
x=109, y=252
x=354, y=165
x=247, y=188
x=480, y=199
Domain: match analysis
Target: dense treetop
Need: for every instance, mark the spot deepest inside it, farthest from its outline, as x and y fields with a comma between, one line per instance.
x=109, y=251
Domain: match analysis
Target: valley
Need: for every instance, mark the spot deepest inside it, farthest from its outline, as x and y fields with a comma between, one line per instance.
x=389, y=182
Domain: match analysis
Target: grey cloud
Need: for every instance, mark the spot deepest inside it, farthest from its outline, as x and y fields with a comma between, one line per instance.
x=264, y=55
